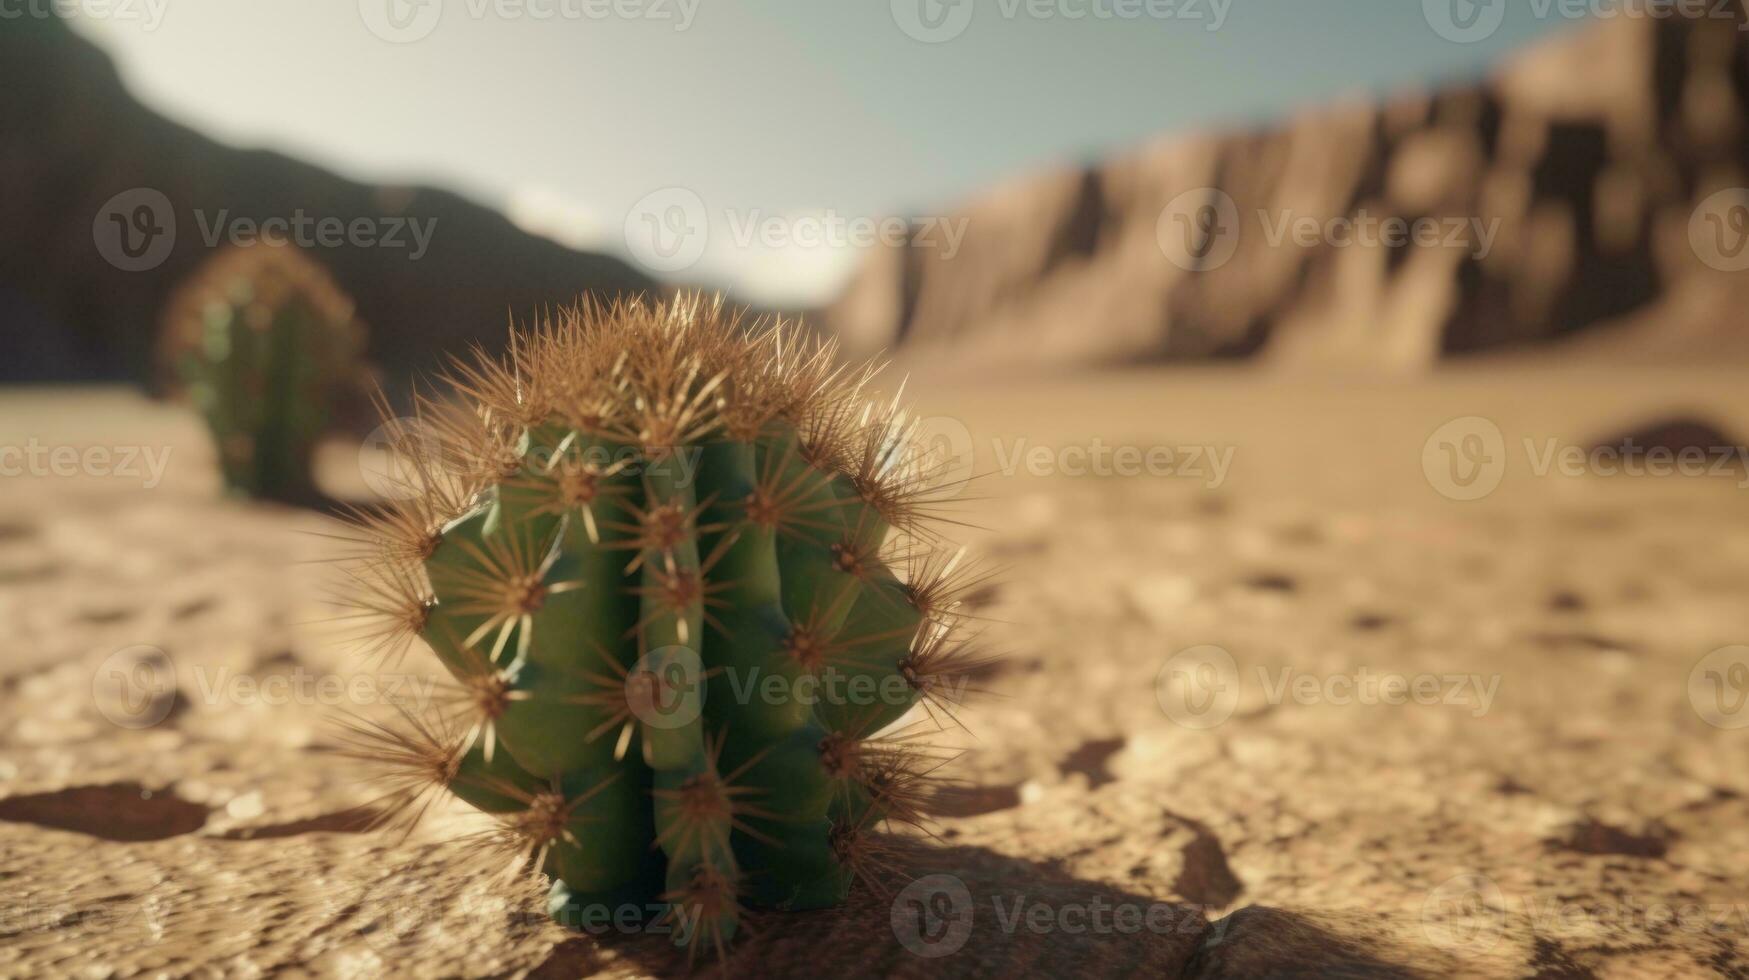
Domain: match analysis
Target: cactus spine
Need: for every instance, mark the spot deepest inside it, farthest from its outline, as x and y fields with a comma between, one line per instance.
x=264, y=346
x=685, y=578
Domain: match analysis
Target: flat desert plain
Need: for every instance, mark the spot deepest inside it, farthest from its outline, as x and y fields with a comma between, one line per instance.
x=1338, y=675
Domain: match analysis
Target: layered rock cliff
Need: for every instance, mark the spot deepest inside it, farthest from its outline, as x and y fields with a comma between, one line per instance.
x=1571, y=191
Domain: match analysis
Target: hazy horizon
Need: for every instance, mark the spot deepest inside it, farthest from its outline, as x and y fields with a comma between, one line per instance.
x=857, y=113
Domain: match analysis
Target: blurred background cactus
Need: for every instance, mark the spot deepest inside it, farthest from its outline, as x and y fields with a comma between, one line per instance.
x=687, y=578
x=263, y=344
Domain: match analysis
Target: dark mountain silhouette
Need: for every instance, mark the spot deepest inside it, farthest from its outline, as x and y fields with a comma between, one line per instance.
x=72, y=138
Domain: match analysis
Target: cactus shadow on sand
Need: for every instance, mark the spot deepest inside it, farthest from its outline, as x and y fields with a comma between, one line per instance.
x=968, y=911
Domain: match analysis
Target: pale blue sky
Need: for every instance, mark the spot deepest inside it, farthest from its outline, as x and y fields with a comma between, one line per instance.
x=759, y=107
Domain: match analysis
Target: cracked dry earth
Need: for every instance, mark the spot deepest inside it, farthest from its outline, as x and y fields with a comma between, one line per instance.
x=1557, y=799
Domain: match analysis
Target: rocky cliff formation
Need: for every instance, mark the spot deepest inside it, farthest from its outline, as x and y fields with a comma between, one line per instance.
x=1573, y=190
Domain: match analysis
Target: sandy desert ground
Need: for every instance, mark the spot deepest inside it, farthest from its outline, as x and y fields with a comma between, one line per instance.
x=1309, y=713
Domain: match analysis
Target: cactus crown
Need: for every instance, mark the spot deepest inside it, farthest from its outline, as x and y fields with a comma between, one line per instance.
x=686, y=578
x=265, y=346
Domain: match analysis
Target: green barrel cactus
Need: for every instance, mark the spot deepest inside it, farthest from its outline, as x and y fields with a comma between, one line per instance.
x=266, y=348
x=687, y=580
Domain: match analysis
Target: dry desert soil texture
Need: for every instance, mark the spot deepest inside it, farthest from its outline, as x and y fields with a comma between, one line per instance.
x=1310, y=713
